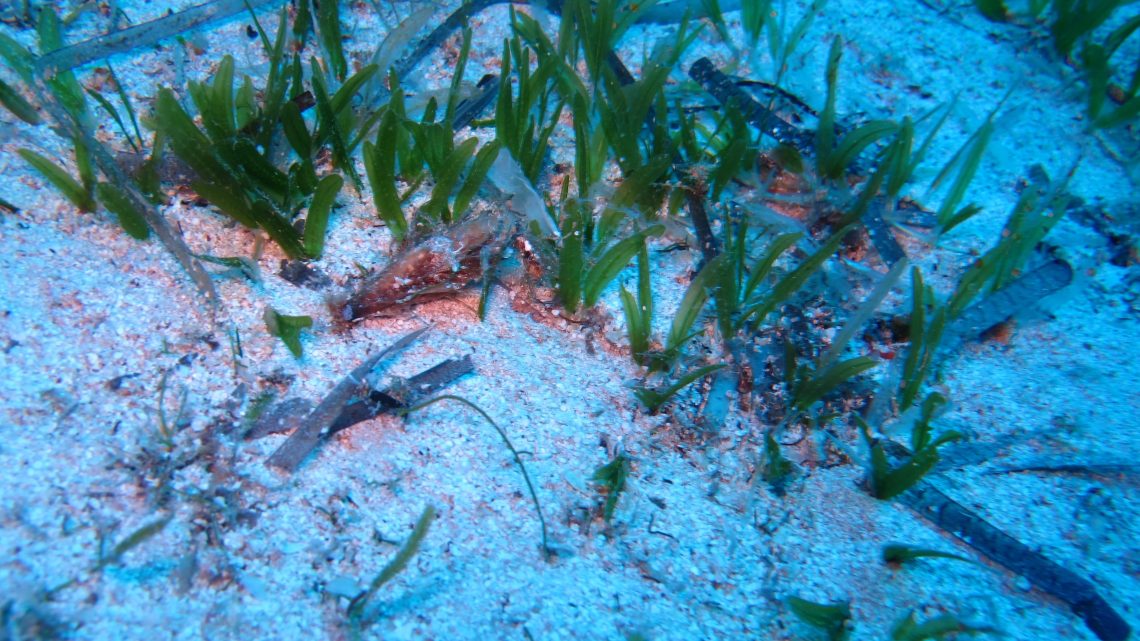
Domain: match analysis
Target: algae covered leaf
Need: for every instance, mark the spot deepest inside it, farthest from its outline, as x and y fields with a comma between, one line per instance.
x=611, y=477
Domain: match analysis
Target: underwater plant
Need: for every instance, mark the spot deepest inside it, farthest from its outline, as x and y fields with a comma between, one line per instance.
x=652, y=173
x=611, y=479
x=897, y=554
x=834, y=619
x=653, y=398
x=909, y=629
x=358, y=606
x=639, y=312
x=1075, y=27
x=287, y=328
x=887, y=481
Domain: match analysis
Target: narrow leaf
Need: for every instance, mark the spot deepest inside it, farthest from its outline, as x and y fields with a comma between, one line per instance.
x=636, y=326
x=760, y=270
x=17, y=104
x=328, y=28
x=396, y=565
x=653, y=399
x=295, y=130
x=134, y=539
x=316, y=223
x=380, y=165
x=692, y=303
x=475, y=178
x=570, y=258
x=898, y=554
x=821, y=383
x=613, y=261
x=447, y=178
x=854, y=143
x=832, y=618
x=58, y=177
x=118, y=203
x=793, y=281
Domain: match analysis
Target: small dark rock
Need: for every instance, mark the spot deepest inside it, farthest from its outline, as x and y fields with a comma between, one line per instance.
x=302, y=274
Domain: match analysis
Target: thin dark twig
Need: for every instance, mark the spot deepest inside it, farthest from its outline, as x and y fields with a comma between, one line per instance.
x=507, y=441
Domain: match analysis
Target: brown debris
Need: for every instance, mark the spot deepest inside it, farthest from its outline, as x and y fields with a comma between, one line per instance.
x=319, y=422
x=441, y=263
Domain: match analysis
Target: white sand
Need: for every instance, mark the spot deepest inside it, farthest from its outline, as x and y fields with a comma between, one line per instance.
x=251, y=553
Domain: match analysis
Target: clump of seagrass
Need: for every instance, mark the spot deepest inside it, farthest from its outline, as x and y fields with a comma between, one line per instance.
x=442, y=263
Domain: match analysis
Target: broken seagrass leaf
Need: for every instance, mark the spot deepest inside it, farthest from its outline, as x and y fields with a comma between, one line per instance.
x=60, y=179
x=908, y=629
x=142, y=35
x=727, y=93
x=897, y=554
x=118, y=203
x=359, y=604
x=1015, y=297
x=287, y=328
x=402, y=393
x=1106, y=470
x=285, y=416
x=653, y=399
x=440, y=264
x=611, y=477
x=469, y=108
x=1079, y=593
x=833, y=618
x=365, y=405
x=317, y=424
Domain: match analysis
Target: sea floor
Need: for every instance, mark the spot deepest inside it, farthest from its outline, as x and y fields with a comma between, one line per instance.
x=124, y=392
